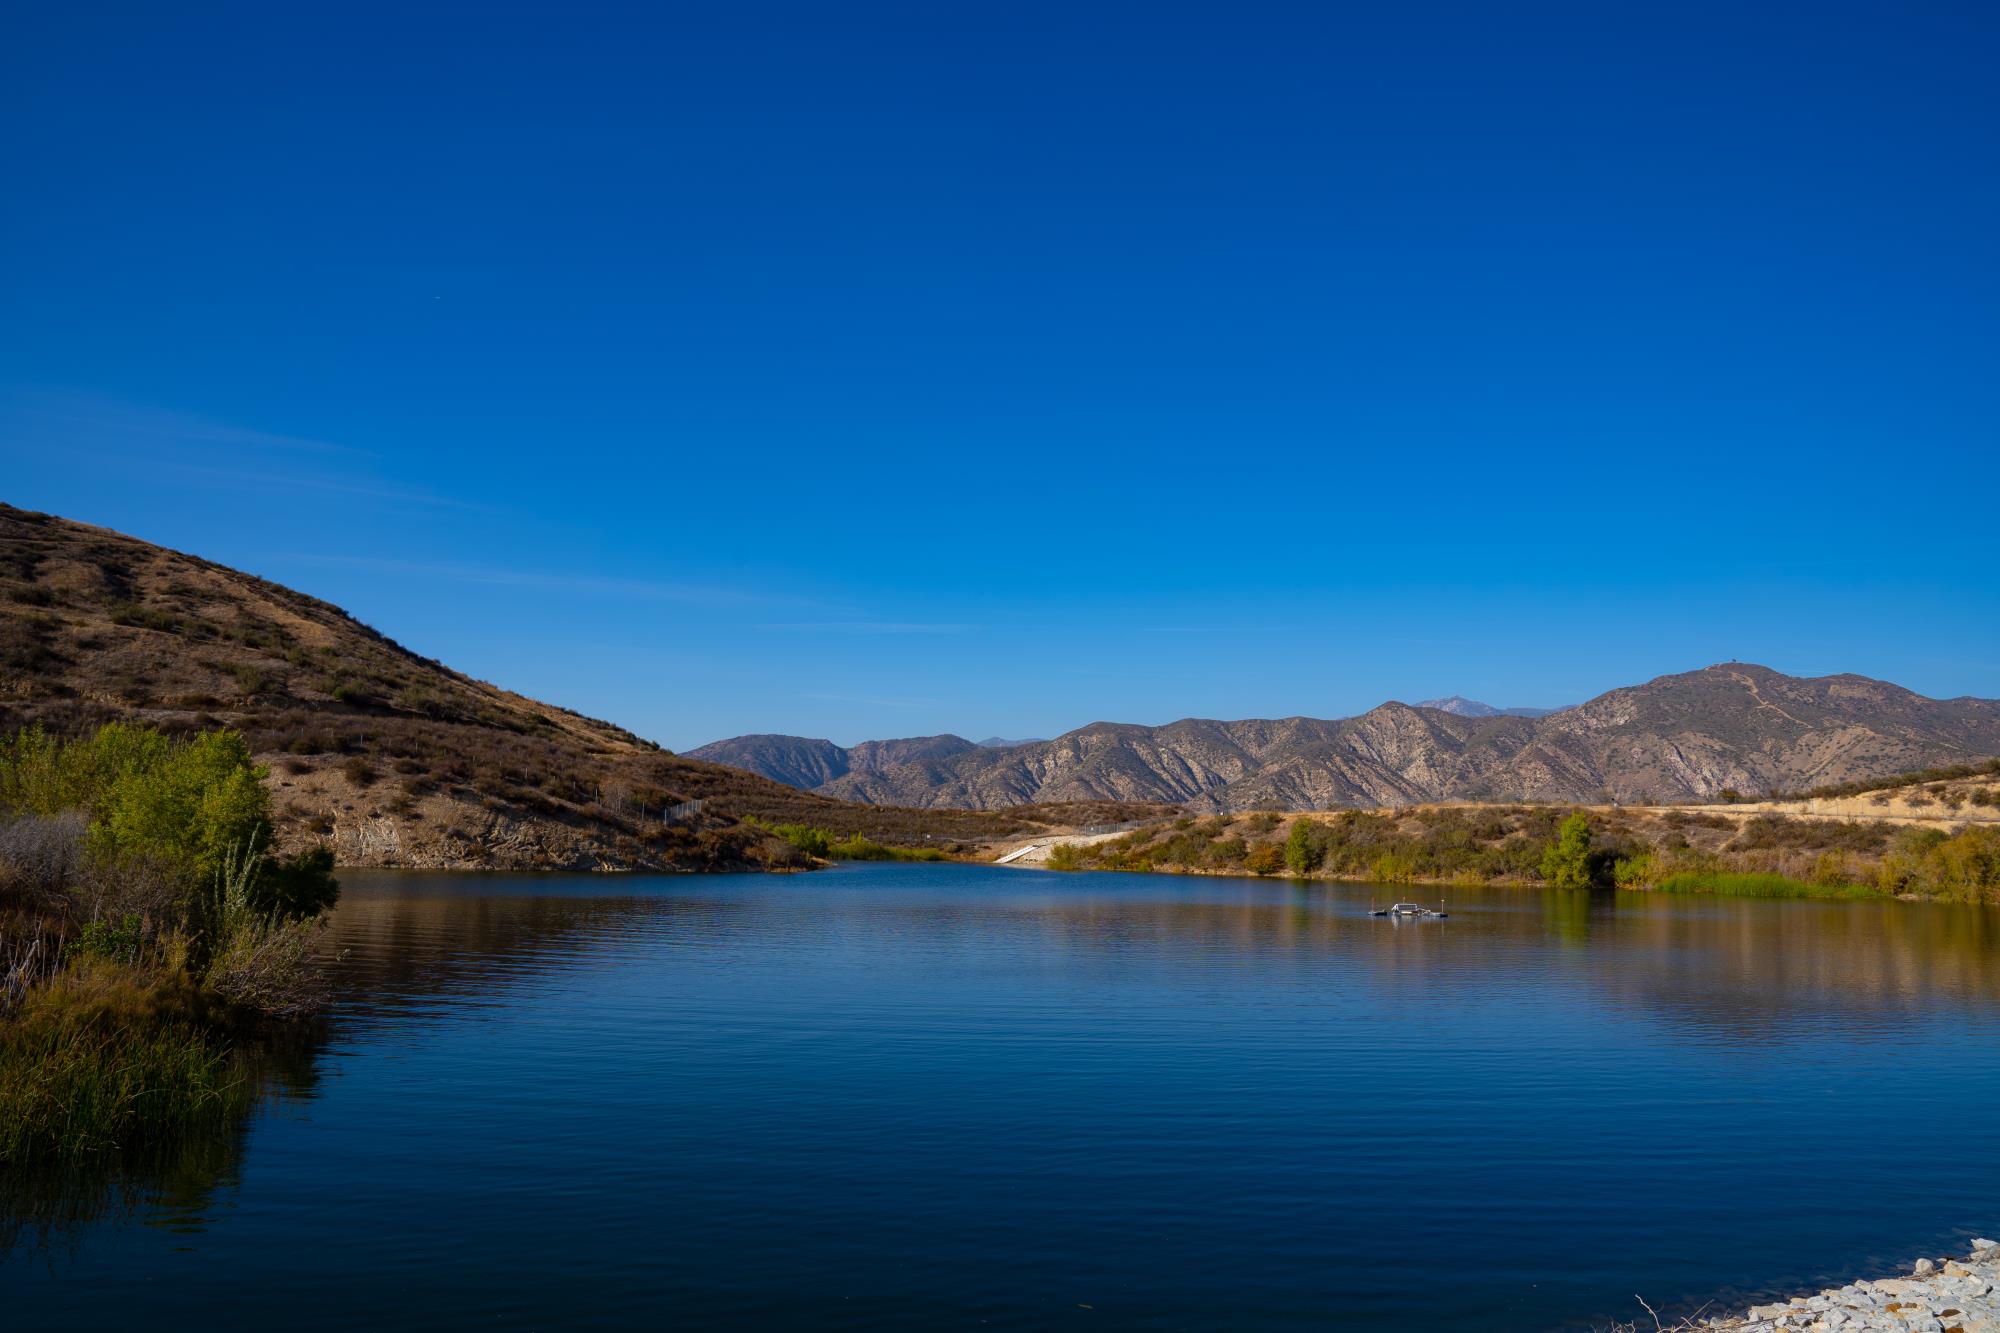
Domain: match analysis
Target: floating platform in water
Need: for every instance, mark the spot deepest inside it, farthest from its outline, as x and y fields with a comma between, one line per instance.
x=1407, y=910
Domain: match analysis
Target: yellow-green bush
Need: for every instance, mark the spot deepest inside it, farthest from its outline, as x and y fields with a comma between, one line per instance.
x=107, y=1058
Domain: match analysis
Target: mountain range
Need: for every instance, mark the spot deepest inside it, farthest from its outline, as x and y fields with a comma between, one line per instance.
x=1680, y=737
x=400, y=760
x=1461, y=706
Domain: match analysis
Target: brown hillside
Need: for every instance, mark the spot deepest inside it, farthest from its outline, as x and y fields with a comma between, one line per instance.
x=395, y=758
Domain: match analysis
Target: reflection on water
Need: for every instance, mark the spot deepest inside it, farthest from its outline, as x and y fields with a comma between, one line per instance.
x=173, y=1186
x=914, y=1095
x=1753, y=966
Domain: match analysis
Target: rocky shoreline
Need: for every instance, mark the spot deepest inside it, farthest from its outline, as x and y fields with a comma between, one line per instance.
x=1940, y=1296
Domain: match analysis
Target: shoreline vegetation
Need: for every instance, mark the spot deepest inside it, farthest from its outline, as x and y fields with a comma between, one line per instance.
x=812, y=846
x=1672, y=851
x=149, y=941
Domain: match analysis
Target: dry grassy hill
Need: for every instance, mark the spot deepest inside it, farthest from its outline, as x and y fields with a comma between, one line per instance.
x=393, y=757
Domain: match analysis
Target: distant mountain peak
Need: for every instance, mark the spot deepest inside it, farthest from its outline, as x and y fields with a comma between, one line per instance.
x=1460, y=706
x=1002, y=743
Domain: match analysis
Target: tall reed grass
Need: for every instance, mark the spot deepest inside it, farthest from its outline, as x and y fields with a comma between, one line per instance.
x=103, y=1061
x=1741, y=884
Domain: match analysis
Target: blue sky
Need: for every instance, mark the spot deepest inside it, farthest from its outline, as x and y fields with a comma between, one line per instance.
x=870, y=370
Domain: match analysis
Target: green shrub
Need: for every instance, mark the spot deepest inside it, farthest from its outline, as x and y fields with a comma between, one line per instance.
x=1964, y=866
x=119, y=941
x=1635, y=871
x=1265, y=859
x=1065, y=856
x=863, y=848
x=1391, y=868
x=815, y=842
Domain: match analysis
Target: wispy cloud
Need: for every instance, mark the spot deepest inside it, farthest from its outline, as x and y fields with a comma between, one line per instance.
x=99, y=431
x=870, y=627
x=295, y=481
x=107, y=420
x=549, y=581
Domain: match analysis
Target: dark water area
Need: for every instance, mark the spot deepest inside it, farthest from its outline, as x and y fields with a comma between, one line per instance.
x=953, y=1096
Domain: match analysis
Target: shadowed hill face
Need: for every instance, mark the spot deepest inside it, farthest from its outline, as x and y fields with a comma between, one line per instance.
x=1681, y=737
x=799, y=762
x=796, y=761
x=394, y=758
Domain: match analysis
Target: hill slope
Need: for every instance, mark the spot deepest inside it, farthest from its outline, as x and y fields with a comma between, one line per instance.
x=1680, y=737
x=799, y=761
x=395, y=758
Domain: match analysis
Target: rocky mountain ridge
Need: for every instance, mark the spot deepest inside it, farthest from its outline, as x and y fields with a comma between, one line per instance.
x=1682, y=737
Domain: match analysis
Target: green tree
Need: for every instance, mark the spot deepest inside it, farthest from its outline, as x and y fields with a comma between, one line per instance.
x=1301, y=854
x=188, y=804
x=1567, y=863
x=190, y=807
x=193, y=802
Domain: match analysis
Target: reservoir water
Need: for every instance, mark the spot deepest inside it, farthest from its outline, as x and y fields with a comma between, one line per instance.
x=945, y=1096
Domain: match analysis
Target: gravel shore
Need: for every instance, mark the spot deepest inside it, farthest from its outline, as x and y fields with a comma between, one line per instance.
x=1941, y=1296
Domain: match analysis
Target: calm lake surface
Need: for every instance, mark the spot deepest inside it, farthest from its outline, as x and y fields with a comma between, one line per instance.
x=957, y=1096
